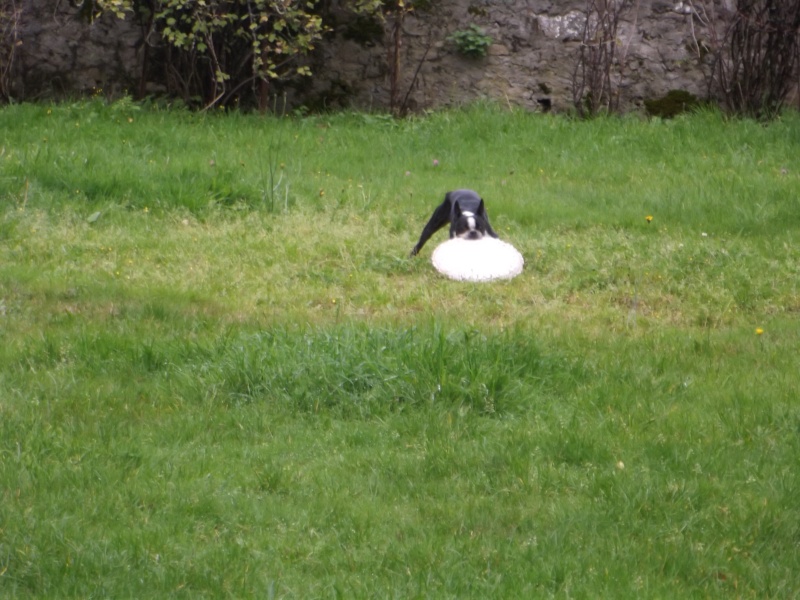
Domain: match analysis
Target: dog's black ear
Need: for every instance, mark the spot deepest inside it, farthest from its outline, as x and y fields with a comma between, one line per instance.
x=457, y=209
x=481, y=209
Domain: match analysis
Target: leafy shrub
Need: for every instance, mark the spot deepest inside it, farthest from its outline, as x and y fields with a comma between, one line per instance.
x=472, y=41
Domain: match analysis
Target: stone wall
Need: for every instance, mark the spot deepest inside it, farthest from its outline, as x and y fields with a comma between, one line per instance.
x=530, y=62
x=533, y=57
x=59, y=55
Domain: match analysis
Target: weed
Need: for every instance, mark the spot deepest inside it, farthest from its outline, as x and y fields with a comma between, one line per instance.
x=472, y=41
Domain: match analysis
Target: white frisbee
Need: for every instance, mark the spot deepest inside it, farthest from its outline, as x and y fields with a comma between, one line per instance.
x=477, y=260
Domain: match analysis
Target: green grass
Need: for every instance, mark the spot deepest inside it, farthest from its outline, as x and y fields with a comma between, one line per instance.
x=222, y=376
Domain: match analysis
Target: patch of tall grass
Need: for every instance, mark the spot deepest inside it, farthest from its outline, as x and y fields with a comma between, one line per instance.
x=424, y=461
x=531, y=168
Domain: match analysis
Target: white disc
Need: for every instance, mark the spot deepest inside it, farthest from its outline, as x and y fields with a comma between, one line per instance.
x=477, y=260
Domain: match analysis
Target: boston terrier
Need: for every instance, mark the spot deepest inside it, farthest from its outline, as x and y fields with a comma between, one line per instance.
x=465, y=212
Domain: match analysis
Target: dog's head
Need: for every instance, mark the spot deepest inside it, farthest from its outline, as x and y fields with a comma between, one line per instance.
x=469, y=225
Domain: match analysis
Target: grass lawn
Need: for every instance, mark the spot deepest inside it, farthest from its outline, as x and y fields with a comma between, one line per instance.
x=221, y=375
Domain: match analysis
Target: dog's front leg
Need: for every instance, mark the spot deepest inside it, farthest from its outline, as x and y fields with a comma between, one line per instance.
x=439, y=218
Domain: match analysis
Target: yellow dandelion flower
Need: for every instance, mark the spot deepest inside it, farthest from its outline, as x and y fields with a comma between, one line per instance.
x=759, y=331
x=649, y=218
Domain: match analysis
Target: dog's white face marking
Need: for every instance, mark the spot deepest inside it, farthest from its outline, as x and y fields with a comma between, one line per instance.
x=467, y=226
x=470, y=219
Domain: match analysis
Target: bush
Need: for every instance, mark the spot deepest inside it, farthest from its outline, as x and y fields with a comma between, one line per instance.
x=472, y=41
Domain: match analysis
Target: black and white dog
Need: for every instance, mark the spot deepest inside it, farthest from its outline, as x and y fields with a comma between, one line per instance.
x=465, y=212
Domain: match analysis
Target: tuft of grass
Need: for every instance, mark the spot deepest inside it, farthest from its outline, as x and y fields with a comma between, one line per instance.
x=222, y=375
x=350, y=374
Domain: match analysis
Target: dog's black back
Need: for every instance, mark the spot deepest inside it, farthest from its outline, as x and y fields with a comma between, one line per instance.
x=466, y=213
